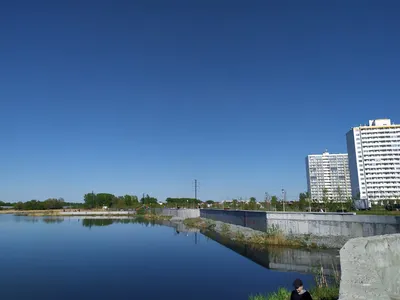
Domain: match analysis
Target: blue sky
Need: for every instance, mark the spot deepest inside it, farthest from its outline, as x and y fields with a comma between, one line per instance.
x=145, y=96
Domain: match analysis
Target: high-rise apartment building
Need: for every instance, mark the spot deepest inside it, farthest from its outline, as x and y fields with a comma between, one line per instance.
x=328, y=176
x=374, y=160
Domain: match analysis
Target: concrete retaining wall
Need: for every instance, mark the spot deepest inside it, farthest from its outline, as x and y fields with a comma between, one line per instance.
x=181, y=213
x=252, y=219
x=371, y=268
x=325, y=224
x=318, y=224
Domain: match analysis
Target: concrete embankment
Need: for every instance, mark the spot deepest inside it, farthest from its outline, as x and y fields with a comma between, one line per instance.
x=330, y=230
x=180, y=214
x=371, y=268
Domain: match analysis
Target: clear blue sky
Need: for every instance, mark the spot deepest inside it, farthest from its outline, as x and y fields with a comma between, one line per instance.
x=145, y=96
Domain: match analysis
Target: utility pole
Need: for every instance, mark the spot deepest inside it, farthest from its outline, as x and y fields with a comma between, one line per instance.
x=283, y=198
x=195, y=189
x=267, y=199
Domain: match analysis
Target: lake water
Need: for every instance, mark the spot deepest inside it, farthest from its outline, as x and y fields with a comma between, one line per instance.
x=73, y=258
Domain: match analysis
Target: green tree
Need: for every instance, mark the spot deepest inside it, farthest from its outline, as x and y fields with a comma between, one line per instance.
x=325, y=198
x=303, y=201
x=19, y=206
x=90, y=200
x=131, y=201
x=252, y=203
x=235, y=204
x=182, y=202
x=147, y=200
x=274, y=201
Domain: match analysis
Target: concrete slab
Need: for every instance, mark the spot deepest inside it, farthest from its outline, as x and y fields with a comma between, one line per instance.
x=371, y=268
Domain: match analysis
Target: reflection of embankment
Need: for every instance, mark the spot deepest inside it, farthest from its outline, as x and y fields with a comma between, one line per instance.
x=51, y=220
x=283, y=259
x=179, y=227
x=89, y=222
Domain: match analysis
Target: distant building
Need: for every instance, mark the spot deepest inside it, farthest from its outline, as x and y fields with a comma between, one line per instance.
x=374, y=160
x=6, y=207
x=328, y=175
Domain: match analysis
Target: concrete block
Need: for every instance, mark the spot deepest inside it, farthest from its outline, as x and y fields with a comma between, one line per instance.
x=371, y=268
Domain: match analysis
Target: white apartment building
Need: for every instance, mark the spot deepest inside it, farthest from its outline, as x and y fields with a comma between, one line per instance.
x=328, y=172
x=374, y=160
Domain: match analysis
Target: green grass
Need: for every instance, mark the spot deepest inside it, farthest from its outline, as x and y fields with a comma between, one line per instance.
x=378, y=212
x=326, y=293
x=281, y=294
x=322, y=290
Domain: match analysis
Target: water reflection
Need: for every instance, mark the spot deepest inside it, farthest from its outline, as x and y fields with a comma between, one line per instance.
x=51, y=220
x=90, y=222
x=284, y=259
x=274, y=258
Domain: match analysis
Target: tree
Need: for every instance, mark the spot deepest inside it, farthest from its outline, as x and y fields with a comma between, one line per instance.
x=302, y=201
x=90, y=200
x=147, y=200
x=2, y=203
x=235, y=204
x=252, y=203
x=182, y=202
x=274, y=201
x=325, y=197
x=131, y=201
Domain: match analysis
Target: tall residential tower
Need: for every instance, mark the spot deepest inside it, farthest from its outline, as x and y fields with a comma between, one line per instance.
x=328, y=176
x=374, y=160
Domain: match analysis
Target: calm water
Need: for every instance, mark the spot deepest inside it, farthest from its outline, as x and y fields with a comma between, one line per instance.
x=71, y=258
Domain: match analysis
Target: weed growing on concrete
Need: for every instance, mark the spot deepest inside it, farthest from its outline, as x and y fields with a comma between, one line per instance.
x=239, y=236
x=154, y=217
x=195, y=223
x=274, y=230
x=225, y=229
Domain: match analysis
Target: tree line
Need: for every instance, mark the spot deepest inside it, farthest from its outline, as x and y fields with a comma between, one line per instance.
x=99, y=200
x=51, y=203
x=182, y=202
x=6, y=203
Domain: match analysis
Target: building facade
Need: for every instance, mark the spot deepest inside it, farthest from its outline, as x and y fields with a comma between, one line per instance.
x=328, y=177
x=374, y=160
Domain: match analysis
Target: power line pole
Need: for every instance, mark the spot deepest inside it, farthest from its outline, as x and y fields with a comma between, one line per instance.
x=267, y=199
x=195, y=189
x=283, y=198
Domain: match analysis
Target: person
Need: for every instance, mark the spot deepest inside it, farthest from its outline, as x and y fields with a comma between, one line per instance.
x=299, y=292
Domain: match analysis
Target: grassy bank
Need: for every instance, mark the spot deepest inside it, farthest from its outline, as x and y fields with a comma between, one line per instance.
x=154, y=217
x=322, y=290
x=273, y=236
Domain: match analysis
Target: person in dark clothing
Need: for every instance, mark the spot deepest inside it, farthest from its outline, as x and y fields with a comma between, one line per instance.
x=299, y=292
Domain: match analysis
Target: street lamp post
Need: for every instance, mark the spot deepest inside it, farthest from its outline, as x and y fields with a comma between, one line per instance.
x=283, y=198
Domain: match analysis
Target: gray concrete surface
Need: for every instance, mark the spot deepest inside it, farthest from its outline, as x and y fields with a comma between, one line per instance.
x=346, y=225
x=181, y=213
x=252, y=219
x=328, y=224
x=371, y=268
